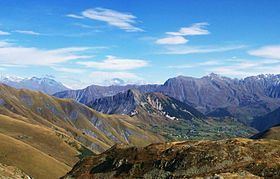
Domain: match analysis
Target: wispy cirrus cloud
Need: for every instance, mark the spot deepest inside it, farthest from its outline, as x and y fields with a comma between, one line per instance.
x=269, y=63
x=183, y=50
x=75, y=16
x=68, y=70
x=13, y=54
x=172, y=40
x=27, y=32
x=109, y=78
x=4, y=33
x=115, y=63
x=201, y=64
x=121, y=20
x=272, y=51
x=179, y=37
x=243, y=67
x=194, y=29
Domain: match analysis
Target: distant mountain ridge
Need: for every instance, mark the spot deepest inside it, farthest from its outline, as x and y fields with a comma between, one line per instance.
x=44, y=84
x=93, y=92
x=211, y=94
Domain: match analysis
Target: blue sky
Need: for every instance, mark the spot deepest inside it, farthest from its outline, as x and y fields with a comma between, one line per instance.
x=95, y=42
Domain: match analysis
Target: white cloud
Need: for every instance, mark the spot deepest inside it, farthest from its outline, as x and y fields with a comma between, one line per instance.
x=114, y=63
x=121, y=20
x=4, y=33
x=68, y=70
x=194, y=29
x=172, y=40
x=17, y=55
x=267, y=52
x=75, y=16
x=207, y=63
x=243, y=68
x=108, y=78
x=27, y=32
x=182, y=50
x=176, y=38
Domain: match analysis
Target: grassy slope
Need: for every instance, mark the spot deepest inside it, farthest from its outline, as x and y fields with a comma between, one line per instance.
x=27, y=158
x=93, y=129
x=45, y=136
x=41, y=138
x=11, y=172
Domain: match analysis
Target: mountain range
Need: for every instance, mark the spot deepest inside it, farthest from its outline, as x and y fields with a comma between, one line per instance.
x=213, y=95
x=45, y=84
x=104, y=125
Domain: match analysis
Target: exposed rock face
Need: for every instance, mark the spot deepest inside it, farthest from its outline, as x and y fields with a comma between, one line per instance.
x=130, y=101
x=187, y=159
x=267, y=121
x=252, y=96
x=45, y=85
x=121, y=103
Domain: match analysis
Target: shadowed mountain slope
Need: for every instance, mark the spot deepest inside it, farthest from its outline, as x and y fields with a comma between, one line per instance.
x=272, y=133
x=265, y=122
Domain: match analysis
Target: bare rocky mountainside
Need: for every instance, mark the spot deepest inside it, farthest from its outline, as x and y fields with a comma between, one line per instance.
x=241, y=158
x=212, y=95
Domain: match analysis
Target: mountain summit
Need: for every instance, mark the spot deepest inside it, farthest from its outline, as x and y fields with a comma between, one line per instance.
x=45, y=85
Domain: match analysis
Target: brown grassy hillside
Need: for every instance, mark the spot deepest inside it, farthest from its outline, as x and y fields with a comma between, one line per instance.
x=29, y=159
x=45, y=136
x=95, y=130
x=11, y=172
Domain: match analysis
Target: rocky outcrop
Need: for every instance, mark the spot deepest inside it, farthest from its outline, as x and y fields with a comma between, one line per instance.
x=232, y=157
x=133, y=101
